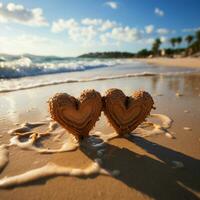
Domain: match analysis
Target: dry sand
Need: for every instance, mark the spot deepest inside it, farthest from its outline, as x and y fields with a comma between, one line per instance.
x=155, y=167
x=174, y=62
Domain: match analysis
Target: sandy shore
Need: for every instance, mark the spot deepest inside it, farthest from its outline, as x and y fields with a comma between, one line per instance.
x=174, y=62
x=147, y=166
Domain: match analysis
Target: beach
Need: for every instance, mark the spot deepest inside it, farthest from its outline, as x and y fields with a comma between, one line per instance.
x=154, y=166
x=174, y=62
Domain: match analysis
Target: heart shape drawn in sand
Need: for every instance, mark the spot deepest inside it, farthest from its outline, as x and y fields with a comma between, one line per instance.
x=126, y=113
x=78, y=116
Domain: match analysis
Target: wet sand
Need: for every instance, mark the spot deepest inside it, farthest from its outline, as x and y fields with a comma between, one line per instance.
x=174, y=62
x=147, y=167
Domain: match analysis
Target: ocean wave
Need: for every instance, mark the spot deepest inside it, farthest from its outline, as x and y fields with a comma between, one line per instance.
x=2, y=59
x=14, y=68
x=24, y=66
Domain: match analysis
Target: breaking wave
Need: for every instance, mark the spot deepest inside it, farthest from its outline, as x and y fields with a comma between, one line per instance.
x=26, y=66
x=18, y=72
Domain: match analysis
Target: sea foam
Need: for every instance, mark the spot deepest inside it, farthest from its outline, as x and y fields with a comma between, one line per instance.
x=19, y=73
x=24, y=66
x=95, y=141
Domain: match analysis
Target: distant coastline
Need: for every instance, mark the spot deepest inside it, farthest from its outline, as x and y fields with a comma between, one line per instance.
x=116, y=54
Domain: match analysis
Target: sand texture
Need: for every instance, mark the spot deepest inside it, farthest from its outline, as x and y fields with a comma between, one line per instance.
x=76, y=115
x=159, y=160
x=174, y=62
x=126, y=113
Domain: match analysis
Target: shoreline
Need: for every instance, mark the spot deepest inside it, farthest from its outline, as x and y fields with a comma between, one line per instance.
x=135, y=160
x=172, y=62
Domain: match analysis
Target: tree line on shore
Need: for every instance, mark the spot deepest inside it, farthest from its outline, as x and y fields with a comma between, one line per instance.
x=193, y=47
x=110, y=54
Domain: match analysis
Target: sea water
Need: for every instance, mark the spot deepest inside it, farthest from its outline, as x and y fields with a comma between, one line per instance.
x=28, y=71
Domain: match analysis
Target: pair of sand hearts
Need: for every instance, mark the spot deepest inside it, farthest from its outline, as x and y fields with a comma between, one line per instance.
x=79, y=116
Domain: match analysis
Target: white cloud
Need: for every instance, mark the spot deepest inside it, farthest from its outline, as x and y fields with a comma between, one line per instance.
x=146, y=41
x=104, y=24
x=82, y=34
x=122, y=34
x=91, y=22
x=163, y=39
x=95, y=31
x=159, y=12
x=149, y=29
x=72, y=26
x=19, y=14
x=104, y=38
x=75, y=31
x=162, y=31
x=149, y=41
x=112, y=4
x=107, y=25
x=14, y=7
x=62, y=25
x=190, y=29
x=187, y=30
x=126, y=34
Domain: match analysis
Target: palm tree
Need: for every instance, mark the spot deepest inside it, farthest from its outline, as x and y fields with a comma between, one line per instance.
x=198, y=36
x=189, y=39
x=173, y=42
x=179, y=40
x=156, y=46
x=197, y=46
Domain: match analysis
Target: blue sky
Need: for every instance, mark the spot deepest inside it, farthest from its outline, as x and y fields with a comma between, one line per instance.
x=73, y=27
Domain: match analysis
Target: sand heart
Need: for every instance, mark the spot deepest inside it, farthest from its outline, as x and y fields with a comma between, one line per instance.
x=126, y=113
x=78, y=116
